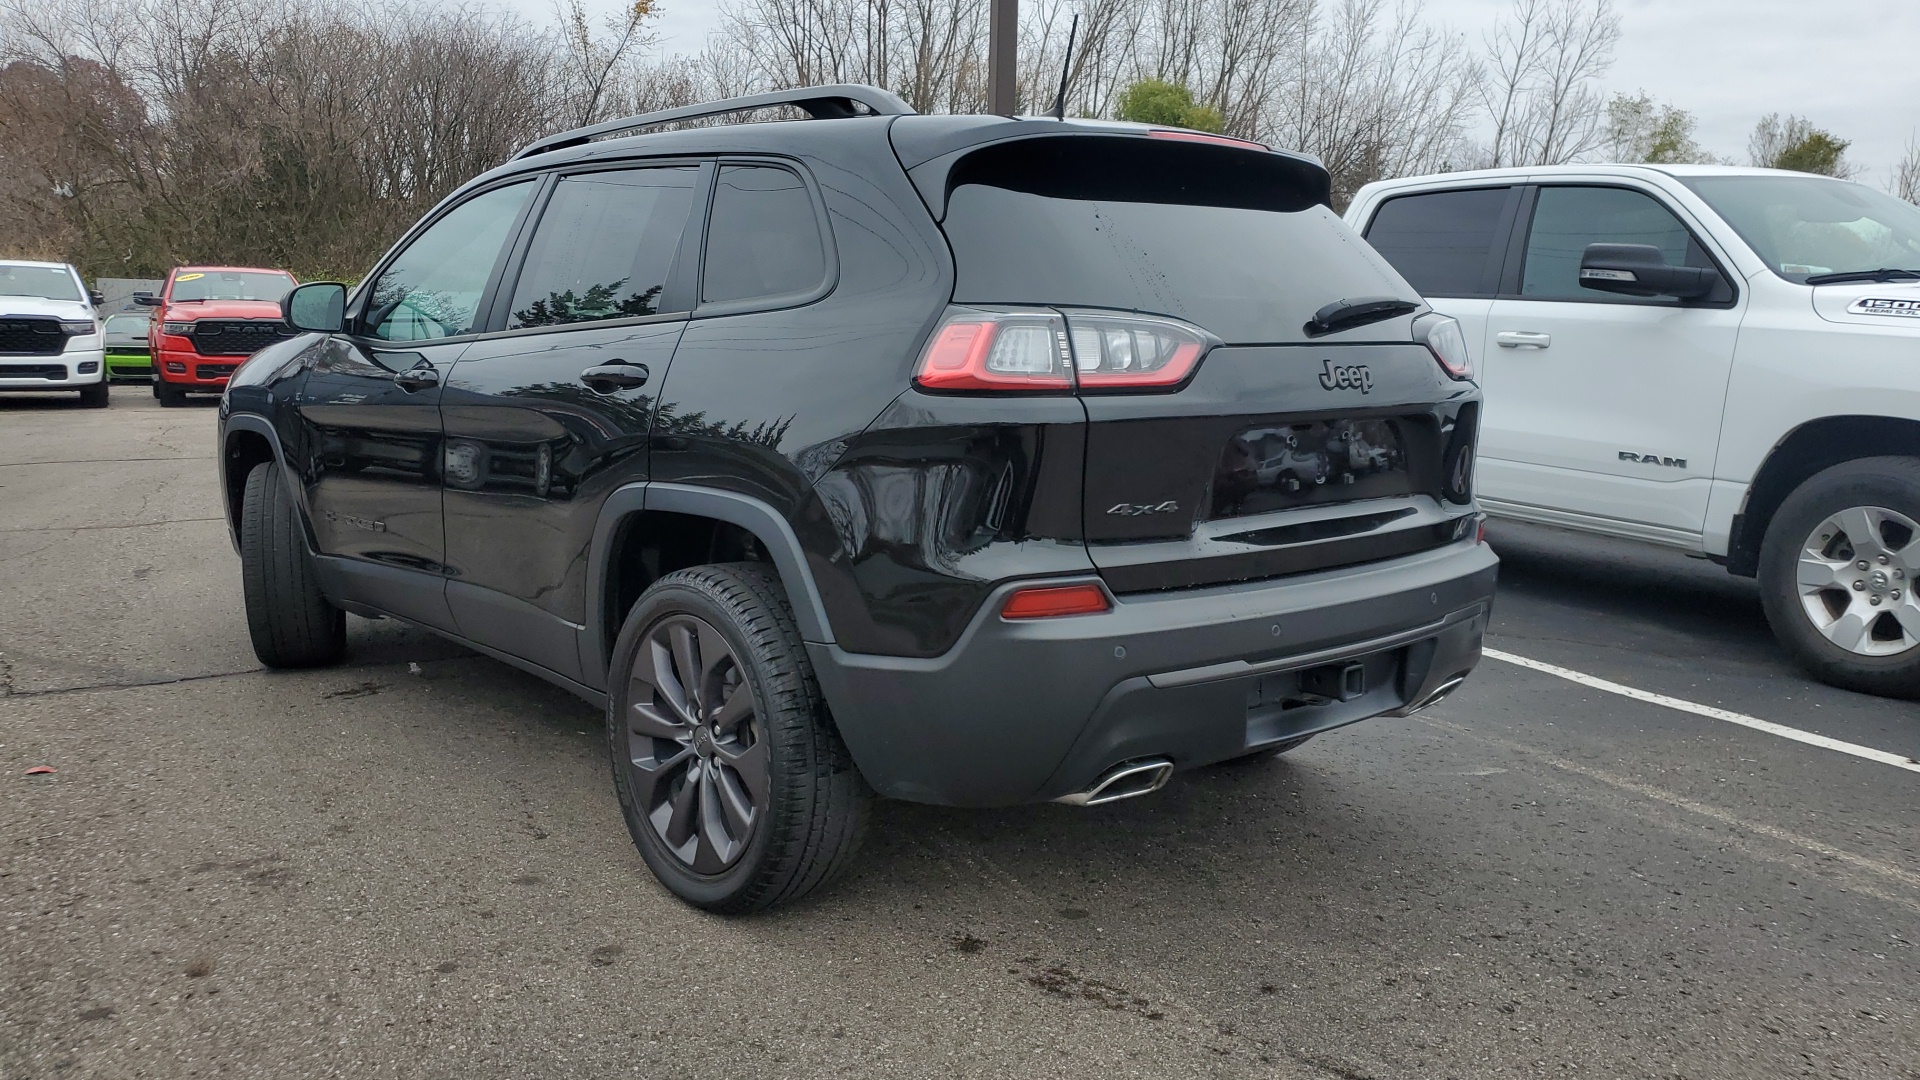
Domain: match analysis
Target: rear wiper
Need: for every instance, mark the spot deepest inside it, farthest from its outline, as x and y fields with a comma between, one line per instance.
x=1347, y=314
x=1885, y=273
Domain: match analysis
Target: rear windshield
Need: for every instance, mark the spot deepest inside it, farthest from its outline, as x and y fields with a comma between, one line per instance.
x=1223, y=240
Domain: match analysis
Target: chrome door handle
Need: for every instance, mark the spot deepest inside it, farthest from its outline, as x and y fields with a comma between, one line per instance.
x=1521, y=339
x=612, y=377
x=420, y=378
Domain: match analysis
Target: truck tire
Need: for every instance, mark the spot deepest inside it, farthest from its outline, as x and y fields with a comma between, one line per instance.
x=1837, y=570
x=735, y=786
x=169, y=397
x=292, y=625
x=95, y=396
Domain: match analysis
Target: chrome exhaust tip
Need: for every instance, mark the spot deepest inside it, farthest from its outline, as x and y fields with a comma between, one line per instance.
x=1123, y=781
x=1439, y=693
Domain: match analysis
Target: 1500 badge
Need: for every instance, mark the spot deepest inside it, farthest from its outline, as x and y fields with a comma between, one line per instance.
x=1346, y=377
x=1879, y=305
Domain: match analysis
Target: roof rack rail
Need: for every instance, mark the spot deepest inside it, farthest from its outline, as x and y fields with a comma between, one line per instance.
x=819, y=102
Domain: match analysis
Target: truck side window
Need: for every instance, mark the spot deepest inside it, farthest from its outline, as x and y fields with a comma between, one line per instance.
x=1567, y=219
x=604, y=247
x=1445, y=243
x=433, y=288
x=764, y=239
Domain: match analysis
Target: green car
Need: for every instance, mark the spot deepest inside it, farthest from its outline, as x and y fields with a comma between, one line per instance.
x=127, y=351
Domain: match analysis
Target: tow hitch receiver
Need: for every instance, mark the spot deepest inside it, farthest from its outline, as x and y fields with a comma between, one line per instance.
x=1334, y=682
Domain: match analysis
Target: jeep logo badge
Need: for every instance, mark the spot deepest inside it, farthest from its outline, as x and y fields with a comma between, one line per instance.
x=1346, y=377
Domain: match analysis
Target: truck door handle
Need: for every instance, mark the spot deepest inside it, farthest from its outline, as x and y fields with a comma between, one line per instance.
x=617, y=375
x=1521, y=339
x=419, y=378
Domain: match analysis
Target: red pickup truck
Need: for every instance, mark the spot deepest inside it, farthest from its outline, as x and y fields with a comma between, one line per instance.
x=210, y=319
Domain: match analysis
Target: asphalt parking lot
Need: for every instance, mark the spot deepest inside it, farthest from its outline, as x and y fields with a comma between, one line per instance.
x=413, y=865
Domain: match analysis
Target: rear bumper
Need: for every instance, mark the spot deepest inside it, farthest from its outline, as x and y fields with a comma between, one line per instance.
x=74, y=369
x=1026, y=711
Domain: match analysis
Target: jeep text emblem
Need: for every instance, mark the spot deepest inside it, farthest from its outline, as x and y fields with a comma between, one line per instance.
x=1346, y=377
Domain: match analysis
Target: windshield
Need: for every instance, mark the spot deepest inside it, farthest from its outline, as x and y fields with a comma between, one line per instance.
x=1806, y=225
x=47, y=282
x=230, y=285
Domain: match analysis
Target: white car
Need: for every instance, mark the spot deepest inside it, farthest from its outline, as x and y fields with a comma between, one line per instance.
x=50, y=335
x=1719, y=359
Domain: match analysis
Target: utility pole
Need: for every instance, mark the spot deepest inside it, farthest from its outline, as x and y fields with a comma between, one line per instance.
x=1003, y=32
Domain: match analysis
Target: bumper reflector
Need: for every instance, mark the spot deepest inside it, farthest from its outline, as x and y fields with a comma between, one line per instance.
x=1052, y=601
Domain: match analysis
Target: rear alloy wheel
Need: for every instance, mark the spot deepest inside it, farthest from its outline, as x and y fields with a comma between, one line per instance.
x=736, y=789
x=1837, y=572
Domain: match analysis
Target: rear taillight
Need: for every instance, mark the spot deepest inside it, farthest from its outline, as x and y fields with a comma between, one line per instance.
x=1443, y=339
x=1053, y=601
x=998, y=351
x=1113, y=352
x=1179, y=135
x=1044, y=352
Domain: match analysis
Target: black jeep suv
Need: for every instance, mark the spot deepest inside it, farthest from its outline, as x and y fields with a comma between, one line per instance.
x=965, y=459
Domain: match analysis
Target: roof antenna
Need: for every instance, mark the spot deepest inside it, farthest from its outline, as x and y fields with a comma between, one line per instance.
x=1066, y=65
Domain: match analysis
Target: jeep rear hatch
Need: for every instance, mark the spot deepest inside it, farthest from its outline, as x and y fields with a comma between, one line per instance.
x=1231, y=435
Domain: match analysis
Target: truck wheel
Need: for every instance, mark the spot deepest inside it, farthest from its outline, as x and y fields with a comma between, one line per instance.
x=736, y=788
x=95, y=396
x=291, y=624
x=169, y=397
x=1837, y=570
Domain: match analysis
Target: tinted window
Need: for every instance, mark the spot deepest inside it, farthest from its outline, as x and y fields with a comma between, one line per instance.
x=1246, y=275
x=763, y=239
x=1567, y=219
x=432, y=290
x=604, y=247
x=229, y=285
x=1447, y=243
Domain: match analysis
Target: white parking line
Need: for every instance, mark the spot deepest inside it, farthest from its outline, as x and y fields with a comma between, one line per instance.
x=1868, y=753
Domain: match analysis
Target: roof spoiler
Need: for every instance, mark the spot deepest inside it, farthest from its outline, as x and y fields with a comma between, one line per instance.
x=818, y=102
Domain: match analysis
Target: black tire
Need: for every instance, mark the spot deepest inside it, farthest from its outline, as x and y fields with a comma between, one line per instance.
x=291, y=623
x=807, y=822
x=95, y=396
x=1882, y=483
x=169, y=397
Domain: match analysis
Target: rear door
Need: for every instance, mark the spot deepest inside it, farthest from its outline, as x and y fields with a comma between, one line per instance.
x=1451, y=246
x=1600, y=406
x=544, y=418
x=1283, y=452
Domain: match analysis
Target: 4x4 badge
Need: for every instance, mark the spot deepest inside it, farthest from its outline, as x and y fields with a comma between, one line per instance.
x=1143, y=509
x=1346, y=377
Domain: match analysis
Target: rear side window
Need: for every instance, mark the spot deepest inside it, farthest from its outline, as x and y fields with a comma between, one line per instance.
x=763, y=240
x=1234, y=241
x=604, y=247
x=1567, y=219
x=1446, y=243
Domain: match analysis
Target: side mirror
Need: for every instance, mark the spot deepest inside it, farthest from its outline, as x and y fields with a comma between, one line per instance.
x=96, y=297
x=146, y=299
x=1641, y=270
x=319, y=306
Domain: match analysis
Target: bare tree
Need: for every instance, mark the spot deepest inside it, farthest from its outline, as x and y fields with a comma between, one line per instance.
x=1544, y=61
x=1906, y=172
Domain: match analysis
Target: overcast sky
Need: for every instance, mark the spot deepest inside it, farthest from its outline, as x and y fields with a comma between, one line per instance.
x=1850, y=66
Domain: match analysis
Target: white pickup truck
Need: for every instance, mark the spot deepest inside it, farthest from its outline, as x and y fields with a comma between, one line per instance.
x=1719, y=359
